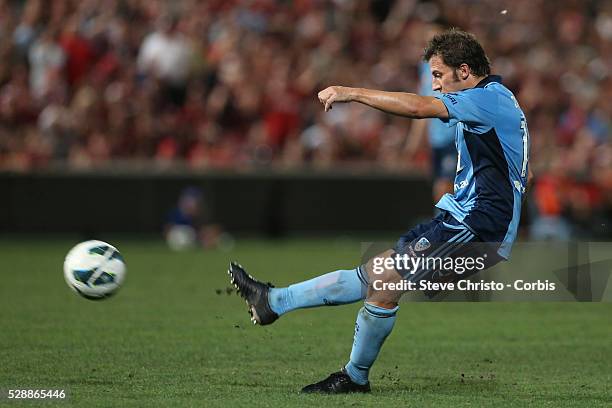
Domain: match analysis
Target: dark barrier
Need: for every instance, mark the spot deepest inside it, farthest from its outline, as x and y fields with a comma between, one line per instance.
x=273, y=203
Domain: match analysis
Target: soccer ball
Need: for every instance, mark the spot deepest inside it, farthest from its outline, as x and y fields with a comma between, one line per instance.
x=94, y=269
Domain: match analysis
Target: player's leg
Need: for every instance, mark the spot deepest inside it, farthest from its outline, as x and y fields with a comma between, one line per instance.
x=374, y=323
x=334, y=288
x=446, y=238
x=267, y=303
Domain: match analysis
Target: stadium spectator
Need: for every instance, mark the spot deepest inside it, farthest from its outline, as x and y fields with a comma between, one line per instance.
x=166, y=55
x=188, y=224
x=229, y=83
x=46, y=59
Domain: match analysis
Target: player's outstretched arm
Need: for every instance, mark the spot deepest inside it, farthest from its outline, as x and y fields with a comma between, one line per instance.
x=398, y=103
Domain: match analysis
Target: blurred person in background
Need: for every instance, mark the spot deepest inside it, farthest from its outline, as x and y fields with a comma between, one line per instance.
x=548, y=205
x=166, y=55
x=47, y=59
x=441, y=138
x=188, y=224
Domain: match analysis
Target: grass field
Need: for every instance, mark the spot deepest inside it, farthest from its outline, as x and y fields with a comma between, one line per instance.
x=173, y=337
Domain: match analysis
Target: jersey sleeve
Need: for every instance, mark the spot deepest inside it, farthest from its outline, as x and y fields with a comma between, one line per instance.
x=475, y=107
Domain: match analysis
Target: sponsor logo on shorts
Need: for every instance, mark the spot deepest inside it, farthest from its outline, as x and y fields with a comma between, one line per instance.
x=422, y=244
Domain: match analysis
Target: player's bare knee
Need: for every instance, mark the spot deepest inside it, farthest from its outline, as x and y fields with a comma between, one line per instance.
x=384, y=288
x=383, y=280
x=384, y=298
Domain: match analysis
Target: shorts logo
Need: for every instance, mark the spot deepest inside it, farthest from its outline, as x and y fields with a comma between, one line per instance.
x=422, y=244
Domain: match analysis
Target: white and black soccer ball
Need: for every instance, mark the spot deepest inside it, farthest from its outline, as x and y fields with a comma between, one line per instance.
x=94, y=270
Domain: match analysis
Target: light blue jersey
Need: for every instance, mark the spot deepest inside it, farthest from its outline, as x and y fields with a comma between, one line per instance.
x=440, y=135
x=492, y=140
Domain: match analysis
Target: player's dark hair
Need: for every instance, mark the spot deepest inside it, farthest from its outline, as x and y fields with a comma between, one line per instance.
x=457, y=47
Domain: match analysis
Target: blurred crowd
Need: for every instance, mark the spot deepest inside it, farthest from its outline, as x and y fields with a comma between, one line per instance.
x=233, y=83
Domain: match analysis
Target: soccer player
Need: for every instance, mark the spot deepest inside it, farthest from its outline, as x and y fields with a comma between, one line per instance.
x=483, y=213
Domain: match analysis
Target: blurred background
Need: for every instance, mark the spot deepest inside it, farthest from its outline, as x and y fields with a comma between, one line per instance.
x=137, y=115
x=197, y=122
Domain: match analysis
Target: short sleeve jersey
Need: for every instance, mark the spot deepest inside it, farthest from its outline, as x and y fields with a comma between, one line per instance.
x=492, y=142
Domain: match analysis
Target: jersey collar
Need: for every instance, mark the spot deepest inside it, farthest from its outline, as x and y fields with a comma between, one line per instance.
x=487, y=80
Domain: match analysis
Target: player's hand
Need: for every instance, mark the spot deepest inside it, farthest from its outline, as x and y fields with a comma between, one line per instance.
x=334, y=94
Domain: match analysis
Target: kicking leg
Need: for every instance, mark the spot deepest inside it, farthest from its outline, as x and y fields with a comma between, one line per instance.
x=377, y=317
x=335, y=288
x=267, y=303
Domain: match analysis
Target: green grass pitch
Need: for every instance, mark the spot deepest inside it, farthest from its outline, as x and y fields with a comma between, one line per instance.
x=174, y=337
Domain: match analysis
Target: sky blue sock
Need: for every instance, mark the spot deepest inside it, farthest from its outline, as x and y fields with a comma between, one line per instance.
x=334, y=288
x=371, y=329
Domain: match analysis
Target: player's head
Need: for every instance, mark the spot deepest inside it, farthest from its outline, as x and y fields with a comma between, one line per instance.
x=457, y=61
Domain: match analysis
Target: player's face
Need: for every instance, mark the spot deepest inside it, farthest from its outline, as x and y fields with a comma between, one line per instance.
x=445, y=78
